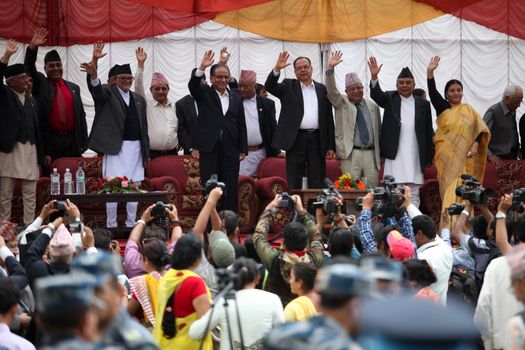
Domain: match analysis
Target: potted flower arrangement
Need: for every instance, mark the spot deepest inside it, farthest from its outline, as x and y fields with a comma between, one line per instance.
x=115, y=185
x=348, y=182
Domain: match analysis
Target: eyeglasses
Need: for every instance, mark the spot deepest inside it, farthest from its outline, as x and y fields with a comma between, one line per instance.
x=125, y=77
x=220, y=77
x=305, y=67
x=354, y=88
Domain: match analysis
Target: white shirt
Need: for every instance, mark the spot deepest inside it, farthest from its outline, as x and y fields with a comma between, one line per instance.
x=125, y=95
x=252, y=121
x=496, y=304
x=311, y=108
x=405, y=167
x=259, y=312
x=12, y=341
x=162, y=120
x=439, y=257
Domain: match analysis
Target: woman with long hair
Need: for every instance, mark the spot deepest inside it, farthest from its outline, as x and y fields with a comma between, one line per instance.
x=461, y=140
x=182, y=298
x=302, y=281
x=144, y=287
x=248, y=317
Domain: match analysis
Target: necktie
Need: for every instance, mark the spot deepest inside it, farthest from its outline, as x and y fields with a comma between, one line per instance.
x=61, y=103
x=361, y=126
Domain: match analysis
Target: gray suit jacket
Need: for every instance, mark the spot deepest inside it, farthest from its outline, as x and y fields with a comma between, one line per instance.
x=108, y=126
x=345, y=119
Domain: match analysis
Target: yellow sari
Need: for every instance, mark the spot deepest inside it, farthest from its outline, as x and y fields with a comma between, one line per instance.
x=458, y=128
x=168, y=284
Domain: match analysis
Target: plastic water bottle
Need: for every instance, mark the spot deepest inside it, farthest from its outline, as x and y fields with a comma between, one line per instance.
x=81, y=181
x=55, y=182
x=68, y=183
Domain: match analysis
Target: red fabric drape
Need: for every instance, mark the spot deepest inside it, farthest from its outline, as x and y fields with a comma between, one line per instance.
x=198, y=6
x=505, y=16
x=73, y=22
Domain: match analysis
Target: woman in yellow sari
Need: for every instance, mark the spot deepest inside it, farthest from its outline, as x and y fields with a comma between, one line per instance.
x=182, y=298
x=461, y=140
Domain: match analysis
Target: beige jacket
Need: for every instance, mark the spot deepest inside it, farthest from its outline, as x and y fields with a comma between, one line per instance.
x=345, y=119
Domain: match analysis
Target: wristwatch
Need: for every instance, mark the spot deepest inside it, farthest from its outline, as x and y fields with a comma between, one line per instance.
x=500, y=215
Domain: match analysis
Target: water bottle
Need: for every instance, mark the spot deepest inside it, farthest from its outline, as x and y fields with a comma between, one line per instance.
x=68, y=183
x=81, y=181
x=55, y=182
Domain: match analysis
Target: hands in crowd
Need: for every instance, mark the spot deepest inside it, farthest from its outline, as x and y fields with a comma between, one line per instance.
x=374, y=67
x=335, y=59
x=225, y=55
x=207, y=60
x=98, y=52
x=89, y=68
x=282, y=61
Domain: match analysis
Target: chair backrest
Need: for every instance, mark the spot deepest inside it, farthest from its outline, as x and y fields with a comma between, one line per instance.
x=92, y=166
x=183, y=168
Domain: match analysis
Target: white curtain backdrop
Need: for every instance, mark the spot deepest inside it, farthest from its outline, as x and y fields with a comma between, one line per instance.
x=484, y=60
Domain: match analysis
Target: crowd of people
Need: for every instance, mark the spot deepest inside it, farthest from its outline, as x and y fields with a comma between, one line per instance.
x=388, y=279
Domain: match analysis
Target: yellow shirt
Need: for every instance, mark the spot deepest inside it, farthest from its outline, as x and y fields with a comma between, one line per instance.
x=299, y=309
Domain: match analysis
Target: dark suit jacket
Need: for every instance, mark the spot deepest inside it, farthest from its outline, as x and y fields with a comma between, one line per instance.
x=267, y=123
x=186, y=115
x=44, y=93
x=212, y=122
x=107, y=131
x=391, y=126
x=10, y=113
x=292, y=111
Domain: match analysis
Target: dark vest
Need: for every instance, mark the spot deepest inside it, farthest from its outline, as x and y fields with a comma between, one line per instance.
x=132, y=124
x=501, y=142
x=26, y=125
x=276, y=283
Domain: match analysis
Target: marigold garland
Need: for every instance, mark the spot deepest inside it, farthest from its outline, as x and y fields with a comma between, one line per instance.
x=348, y=182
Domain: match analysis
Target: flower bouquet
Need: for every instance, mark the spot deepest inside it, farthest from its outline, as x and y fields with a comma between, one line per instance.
x=115, y=185
x=348, y=182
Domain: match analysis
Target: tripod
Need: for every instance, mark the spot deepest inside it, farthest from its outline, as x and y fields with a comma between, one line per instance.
x=228, y=293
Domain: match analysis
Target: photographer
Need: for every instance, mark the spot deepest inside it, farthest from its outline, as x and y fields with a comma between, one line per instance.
x=142, y=232
x=480, y=242
x=365, y=224
x=302, y=243
x=220, y=251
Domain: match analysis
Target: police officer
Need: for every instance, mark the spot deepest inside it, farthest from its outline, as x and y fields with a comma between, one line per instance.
x=116, y=325
x=338, y=286
x=66, y=311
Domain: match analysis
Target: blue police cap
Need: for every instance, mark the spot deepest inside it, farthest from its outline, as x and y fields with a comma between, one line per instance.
x=102, y=265
x=343, y=279
x=60, y=292
x=379, y=267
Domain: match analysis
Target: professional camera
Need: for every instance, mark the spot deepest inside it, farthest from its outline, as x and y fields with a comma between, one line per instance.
x=455, y=209
x=387, y=199
x=211, y=184
x=472, y=190
x=159, y=210
x=326, y=198
x=518, y=199
x=225, y=277
x=286, y=201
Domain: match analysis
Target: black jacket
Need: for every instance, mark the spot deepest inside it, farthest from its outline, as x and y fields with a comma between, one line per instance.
x=391, y=126
x=44, y=93
x=267, y=123
x=186, y=116
x=10, y=113
x=212, y=123
x=292, y=111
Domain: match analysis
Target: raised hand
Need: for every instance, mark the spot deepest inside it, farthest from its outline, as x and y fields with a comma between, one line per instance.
x=207, y=60
x=98, y=51
x=374, y=67
x=90, y=69
x=225, y=55
x=39, y=38
x=11, y=47
x=335, y=59
x=282, y=61
x=141, y=56
x=432, y=65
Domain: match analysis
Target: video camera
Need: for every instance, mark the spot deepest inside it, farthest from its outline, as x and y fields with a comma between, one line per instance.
x=472, y=190
x=286, y=201
x=326, y=198
x=159, y=210
x=225, y=276
x=387, y=199
x=455, y=209
x=211, y=184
